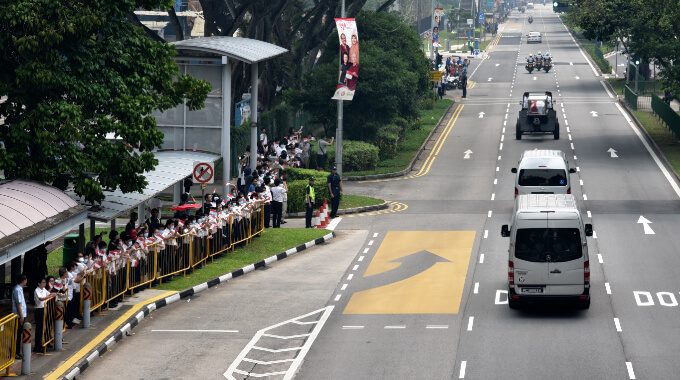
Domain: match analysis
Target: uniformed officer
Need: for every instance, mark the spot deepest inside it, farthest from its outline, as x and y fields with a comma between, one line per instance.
x=335, y=190
x=309, y=203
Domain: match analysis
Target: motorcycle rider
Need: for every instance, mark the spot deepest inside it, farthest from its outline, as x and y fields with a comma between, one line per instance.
x=539, y=57
x=547, y=58
x=531, y=19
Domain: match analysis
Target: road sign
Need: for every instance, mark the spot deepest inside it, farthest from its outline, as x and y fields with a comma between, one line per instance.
x=203, y=172
x=481, y=17
x=435, y=76
x=470, y=21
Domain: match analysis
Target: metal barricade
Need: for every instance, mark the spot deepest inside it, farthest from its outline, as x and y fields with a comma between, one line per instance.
x=8, y=341
x=49, y=314
x=220, y=241
x=239, y=230
x=144, y=272
x=117, y=283
x=175, y=258
x=200, y=251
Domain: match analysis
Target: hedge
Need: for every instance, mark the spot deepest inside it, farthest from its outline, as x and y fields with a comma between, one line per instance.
x=297, y=180
x=388, y=140
x=357, y=155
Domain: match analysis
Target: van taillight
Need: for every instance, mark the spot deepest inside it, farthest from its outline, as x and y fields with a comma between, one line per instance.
x=568, y=190
x=511, y=273
x=586, y=273
x=516, y=192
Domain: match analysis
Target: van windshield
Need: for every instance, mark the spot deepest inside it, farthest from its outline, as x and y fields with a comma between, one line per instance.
x=542, y=245
x=542, y=177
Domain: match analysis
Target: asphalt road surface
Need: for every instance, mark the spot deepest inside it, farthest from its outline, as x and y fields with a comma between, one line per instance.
x=418, y=292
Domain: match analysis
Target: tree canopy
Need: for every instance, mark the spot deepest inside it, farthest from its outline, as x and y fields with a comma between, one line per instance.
x=74, y=71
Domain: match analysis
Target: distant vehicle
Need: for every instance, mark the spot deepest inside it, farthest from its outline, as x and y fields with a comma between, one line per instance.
x=542, y=172
x=530, y=5
x=534, y=37
x=548, y=254
x=530, y=19
x=537, y=115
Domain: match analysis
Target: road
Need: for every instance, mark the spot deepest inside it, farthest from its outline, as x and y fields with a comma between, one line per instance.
x=419, y=293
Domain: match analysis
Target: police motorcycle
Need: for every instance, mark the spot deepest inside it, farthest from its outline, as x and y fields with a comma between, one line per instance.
x=531, y=19
x=547, y=62
x=530, y=64
x=538, y=58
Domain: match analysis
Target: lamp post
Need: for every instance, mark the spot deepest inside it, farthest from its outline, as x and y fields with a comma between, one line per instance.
x=637, y=62
x=338, y=131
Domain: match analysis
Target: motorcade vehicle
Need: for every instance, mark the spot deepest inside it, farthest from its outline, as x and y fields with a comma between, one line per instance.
x=534, y=37
x=530, y=67
x=548, y=251
x=542, y=171
x=537, y=115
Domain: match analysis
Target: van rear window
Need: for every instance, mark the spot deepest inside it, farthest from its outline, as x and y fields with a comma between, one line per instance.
x=542, y=245
x=542, y=177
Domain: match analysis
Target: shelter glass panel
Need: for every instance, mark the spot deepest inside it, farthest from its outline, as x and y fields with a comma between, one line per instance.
x=204, y=139
x=211, y=115
x=210, y=74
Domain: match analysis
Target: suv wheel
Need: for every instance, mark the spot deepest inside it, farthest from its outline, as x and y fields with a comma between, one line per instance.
x=514, y=305
x=556, y=133
x=584, y=305
x=518, y=132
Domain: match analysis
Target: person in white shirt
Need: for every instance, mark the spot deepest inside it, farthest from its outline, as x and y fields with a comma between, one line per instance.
x=19, y=308
x=40, y=295
x=263, y=137
x=284, y=185
x=277, y=202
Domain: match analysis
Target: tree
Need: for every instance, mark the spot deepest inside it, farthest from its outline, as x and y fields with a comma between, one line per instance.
x=74, y=71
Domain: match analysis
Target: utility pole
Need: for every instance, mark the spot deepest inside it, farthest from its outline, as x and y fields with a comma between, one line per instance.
x=338, y=131
x=432, y=30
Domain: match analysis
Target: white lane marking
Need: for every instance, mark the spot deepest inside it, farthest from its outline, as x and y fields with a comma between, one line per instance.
x=501, y=147
x=370, y=242
x=361, y=258
x=631, y=373
x=503, y=130
x=394, y=327
x=471, y=321
x=606, y=89
x=495, y=182
x=594, y=235
x=575, y=158
x=198, y=331
x=476, y=290
x=502, y=137
x=334, y=223
x=488, y=215
x=461, y=374
x=498, y=300
x=493, y=195
x=607, y=288
x=585, y=197
x=617, y=323
x=569, y=137
x=497, y=168
x=571, y=63
x=589, y=214
x=578, y=169
x=344, y=286
x=467, y=154
x=580, y=182
x=506, y=116
x=337, y=298
x=645, y=222
x=250, y=374
x=665, y=172
x=481, y=258
x=612, y=153
x=567, y=123
x=572, y=146
x=249, y=360
x=349, y=327
x=599, y=258
x=505, y=123
x=356, y=267
x=499, y=158
x=486, y=234
x=365, y=250
x=349, y=277
x=437, y=326
x=375, y=234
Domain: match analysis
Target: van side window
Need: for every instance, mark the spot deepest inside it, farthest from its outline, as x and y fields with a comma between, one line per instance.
x=542, y=245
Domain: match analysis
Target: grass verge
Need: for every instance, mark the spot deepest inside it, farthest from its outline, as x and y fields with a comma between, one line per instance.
x=352, y=201
x=664, y=139
x=271, y=242
x=411, y=144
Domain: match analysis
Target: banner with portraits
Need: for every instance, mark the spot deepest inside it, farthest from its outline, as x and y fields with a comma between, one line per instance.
x=436, y=24
x=349, y=58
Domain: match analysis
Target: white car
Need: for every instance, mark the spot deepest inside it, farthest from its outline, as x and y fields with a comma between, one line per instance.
x=534, y=37
x=530, y=5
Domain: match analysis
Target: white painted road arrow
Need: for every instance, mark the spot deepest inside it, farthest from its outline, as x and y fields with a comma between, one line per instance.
x=571, y=63
x=481, y=115
x=612, y=153
x=593, y=113
x=648, y=230
x=489, y=80
x=467, y=154
x=577, y=77
x=498, y=64
x=534, y=78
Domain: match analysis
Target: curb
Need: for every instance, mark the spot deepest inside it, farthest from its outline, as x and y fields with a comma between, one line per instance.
x=131, y=323
x=346, y=211
x=650, y=140
x=413, y=161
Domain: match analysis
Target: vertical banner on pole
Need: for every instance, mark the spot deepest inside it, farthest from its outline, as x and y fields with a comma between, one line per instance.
x=349, y=58
x=437, y=19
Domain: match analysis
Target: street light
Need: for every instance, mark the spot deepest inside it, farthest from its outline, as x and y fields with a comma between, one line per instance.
x=637, y=62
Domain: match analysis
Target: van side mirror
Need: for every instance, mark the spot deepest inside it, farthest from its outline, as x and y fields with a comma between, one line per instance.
x=513, y=170
x=572, y=170
x=589, y=229
x=505, y=231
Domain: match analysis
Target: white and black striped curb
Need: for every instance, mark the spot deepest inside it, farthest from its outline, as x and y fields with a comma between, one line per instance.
x=134, y=321
x=345, y=211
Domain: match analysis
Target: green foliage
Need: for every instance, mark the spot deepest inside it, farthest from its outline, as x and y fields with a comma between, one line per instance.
x=388, y=140
x=296, y=187
x=293, y=174
x=357, y=155
x=393, y=74
x=73, y=71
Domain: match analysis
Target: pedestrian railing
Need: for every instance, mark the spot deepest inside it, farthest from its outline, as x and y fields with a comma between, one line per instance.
x=669, y=117
x=631, y=97
x=117, y=281
x=8, y=341
x=49, y=313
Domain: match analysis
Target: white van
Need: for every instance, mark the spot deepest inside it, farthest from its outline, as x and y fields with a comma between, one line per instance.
x=548, y=254
x=542, y=172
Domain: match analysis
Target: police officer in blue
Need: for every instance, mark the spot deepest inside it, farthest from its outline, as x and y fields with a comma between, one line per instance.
x=334, y=190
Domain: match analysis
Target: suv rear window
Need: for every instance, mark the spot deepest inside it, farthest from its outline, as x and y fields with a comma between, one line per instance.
x=542, y=177
x=543, y=245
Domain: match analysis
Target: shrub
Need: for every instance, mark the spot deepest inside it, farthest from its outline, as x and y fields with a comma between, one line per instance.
x=427, y=103
x=356, y=155
x=403, y=125
x=388, y=140
x=296, y=193
x=293, y=174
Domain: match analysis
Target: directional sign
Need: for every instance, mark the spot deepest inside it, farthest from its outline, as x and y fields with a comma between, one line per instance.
x=593, y=113
x=612, y=153
x=645, y=222
x=470, y=21
x=414, y=272
x=203, y=172
x=481, y=115
x=467, y=154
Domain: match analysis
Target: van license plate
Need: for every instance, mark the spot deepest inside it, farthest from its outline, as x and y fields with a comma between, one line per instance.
x=532, y=290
